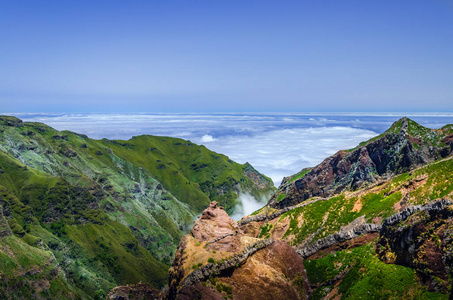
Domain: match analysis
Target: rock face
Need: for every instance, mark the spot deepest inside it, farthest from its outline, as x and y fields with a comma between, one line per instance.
x=259, y=179
x=402, y=147
x=248, y=267
x=420, y=237
x=215, y=225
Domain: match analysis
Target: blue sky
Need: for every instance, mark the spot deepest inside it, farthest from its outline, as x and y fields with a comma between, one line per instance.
x=228, y=56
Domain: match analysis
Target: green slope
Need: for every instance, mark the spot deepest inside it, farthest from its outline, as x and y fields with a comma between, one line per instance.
x=108, y=212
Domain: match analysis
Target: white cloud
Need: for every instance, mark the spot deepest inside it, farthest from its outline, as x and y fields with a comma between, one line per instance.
x=246, y=206
x=207, y=138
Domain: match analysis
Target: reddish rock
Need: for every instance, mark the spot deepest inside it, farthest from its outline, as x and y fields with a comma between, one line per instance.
x=215, y=223
x=276, y=272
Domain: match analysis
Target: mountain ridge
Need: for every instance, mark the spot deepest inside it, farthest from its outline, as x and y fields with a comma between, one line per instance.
x=110, y=212
x=404, y=145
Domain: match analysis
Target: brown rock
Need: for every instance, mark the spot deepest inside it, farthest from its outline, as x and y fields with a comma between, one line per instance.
x=215, y=223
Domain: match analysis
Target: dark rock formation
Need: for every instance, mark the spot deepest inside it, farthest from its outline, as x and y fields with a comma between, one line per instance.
x=420, y=237
x=60, y=137
x=11, y=121
x=404, y=146
x=406, y=213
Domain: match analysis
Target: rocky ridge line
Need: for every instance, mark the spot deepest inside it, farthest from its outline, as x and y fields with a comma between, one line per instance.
x=351, y=233
x=406, y=213
x=336, y=238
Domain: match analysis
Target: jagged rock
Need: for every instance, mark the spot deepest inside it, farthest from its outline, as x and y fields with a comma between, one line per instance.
x=271, y=271
x=342, y=236
x=420, y=237
x=406, y=213
x=210, y=269
x=28, y=133
x=255, y=176
x=137, y=188
x=215, y=223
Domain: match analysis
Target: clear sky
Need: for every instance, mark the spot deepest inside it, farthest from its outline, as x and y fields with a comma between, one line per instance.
x=229, y=56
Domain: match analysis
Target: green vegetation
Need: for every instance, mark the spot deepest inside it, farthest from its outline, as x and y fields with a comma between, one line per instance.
x=339, y=211
x=281, y=197
x=265, y=231
x=107, y=212
x=299, y=175
x=365, y=276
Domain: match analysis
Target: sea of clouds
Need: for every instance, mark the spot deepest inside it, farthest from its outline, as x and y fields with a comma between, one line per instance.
x=277, y=145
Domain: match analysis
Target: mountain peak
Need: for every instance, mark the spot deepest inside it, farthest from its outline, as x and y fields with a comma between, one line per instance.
x=402, y=147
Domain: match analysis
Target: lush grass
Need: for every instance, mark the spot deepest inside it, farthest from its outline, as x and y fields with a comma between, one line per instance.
x=367, y=278
x=299, y=175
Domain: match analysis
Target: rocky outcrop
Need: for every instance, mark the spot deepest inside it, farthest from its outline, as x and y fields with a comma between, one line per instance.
x=434, y=206
x=336, y=238
x=243, y=266
x=216, y=269
x=273, y=272
x=214, y=224
x=420, y=237
x=11, y=121
x=404, y=146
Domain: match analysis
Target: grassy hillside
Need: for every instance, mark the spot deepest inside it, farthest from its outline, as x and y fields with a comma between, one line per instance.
x=106, y=212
